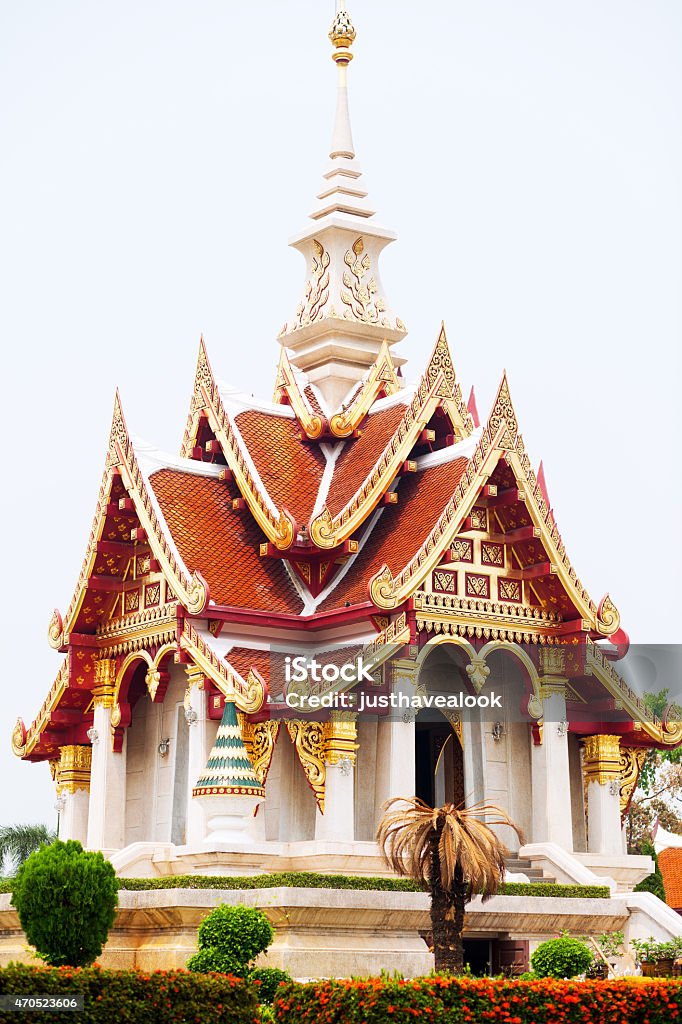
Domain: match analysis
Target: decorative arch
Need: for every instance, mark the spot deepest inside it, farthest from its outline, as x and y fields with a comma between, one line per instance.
x=533, y=678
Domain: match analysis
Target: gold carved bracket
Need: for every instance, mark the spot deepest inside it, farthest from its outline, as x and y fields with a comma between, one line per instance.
x=309, y=741
x=259, y=740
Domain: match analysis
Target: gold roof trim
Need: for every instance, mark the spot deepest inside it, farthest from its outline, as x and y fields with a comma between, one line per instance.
x=381, y=377
x=596, y=664
x=24, y=740
x=248, y=695
x=192, y=591
x=500, y=437
x=280, y=529
x=437, y=387
x=287, y=385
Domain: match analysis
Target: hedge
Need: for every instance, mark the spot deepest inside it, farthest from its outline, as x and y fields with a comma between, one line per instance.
x=473, y=1000
x=131, y=997
x=308, y=880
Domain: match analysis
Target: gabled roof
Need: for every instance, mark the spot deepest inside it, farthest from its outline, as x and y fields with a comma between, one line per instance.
x=278, y=525
x=126, y=511
x=500, y=439
x=438, y=388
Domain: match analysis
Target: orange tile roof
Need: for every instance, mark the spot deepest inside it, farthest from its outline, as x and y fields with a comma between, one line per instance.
x=291, y=469
x=400, y=531
x=223, y=545
x=359, y=456
x=670, y=863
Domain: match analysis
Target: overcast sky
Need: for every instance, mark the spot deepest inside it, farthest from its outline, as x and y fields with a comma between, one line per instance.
x=154, y=159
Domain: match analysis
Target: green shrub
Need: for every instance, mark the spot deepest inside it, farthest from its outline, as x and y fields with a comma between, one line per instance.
x=310, y=880
x=131, y=997
x=66, y=901
x=216, y=961
x=652, y=883
x=270, y=978
x=561, y=958
x=230, y=939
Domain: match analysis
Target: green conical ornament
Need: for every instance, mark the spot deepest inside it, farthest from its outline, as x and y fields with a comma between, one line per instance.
x=228, y=770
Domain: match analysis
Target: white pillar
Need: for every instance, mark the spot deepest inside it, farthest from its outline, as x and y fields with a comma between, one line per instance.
x=73, y=816
x=602, y=771
x=396, y=774
x=106, y=817
x=337, y=824
x=72, y=778
x=198, y=749
x=395, y=771
x=551, y=774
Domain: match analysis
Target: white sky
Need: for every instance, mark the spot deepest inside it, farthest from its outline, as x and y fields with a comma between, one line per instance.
x=154, y=159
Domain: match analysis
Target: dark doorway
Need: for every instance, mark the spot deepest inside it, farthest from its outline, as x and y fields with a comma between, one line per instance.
x=478, y=956
x=439, y=763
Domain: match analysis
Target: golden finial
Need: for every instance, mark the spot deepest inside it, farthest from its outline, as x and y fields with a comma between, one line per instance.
x=342, y=34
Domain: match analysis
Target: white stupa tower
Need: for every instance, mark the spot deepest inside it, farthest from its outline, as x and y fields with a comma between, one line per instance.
x=344, y=315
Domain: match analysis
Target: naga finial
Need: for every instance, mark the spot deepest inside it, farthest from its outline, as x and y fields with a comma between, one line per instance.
x=342, y=34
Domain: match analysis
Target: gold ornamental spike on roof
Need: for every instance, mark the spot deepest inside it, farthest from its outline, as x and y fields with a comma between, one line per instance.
x=342, y=34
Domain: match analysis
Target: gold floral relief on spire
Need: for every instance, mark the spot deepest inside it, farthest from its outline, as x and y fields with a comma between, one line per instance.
x=359, y=294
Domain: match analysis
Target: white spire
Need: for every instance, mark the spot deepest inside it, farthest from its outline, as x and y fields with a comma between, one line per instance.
x=342, y=192
x=343, y=318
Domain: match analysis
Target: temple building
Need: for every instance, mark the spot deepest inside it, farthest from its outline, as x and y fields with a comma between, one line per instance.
x=349, y=515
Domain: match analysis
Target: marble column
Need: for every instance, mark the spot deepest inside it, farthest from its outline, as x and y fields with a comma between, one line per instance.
x=552, y=817
x=72, y=779
x=106, y=813
x=395, y=770
x=337, y=824
x=601, y=767
x=196, y=713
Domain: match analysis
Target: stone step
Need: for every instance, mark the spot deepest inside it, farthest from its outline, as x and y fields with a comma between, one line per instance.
x=519, y=865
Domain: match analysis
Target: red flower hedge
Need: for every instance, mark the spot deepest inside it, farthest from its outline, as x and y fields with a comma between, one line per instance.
x=131, y=997
x=477, y=1001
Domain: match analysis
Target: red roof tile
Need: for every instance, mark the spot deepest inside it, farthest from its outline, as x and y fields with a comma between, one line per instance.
x=359, y=456
x=223, y=545
x=291, y=469
x=400, y=531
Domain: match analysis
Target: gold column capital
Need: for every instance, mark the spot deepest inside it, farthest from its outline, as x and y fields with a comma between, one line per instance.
x=195, y=675
x=404, y=670
x=72, y=770
x=601, y=758
x=105, y=682
x=552, y=661
x=340, y=738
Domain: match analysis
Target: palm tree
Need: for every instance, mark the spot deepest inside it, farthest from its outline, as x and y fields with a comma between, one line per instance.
x=17, y=843
x=454, y=854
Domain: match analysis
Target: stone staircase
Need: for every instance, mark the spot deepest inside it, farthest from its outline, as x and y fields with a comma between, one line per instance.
x=518, y=865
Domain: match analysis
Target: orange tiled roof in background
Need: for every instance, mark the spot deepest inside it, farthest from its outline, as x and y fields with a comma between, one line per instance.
x=670, y=863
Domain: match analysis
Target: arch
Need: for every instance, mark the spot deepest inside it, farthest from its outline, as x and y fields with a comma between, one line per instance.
x=534, y=698
x=443, y=638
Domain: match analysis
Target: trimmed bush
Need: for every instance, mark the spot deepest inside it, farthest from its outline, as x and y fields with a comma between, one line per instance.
x=445, y=1000
x=561, y=958
x=270, y=979
x=131, y=997
x=230, y=939
x=66, y=901
x=310, y=880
